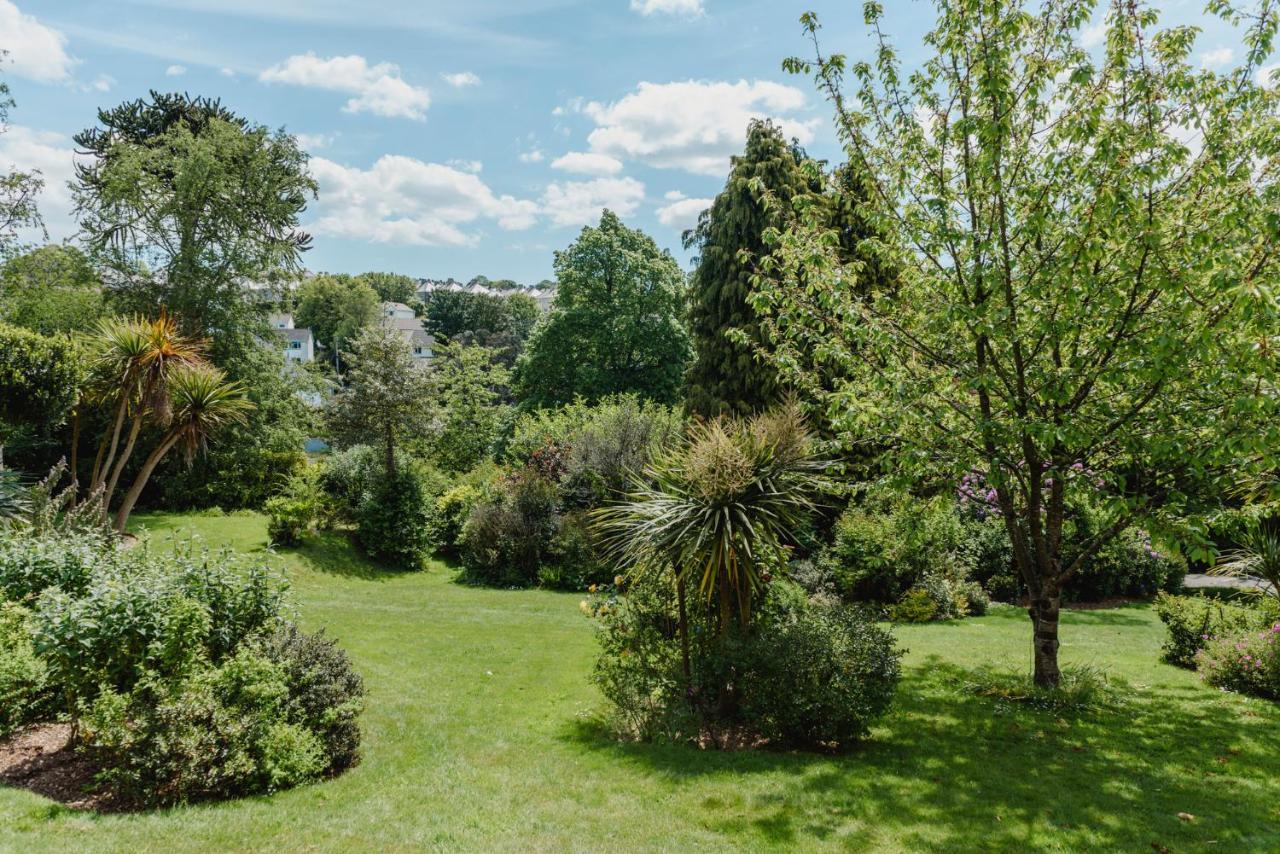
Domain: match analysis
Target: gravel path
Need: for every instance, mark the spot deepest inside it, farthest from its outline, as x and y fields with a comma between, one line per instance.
x=1198, y=580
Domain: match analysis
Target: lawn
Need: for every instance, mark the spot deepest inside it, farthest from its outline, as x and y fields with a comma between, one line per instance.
x=478, y=736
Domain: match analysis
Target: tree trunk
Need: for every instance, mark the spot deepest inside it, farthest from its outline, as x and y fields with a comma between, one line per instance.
x=140, y=482
x=102, y=464
x=1044, y=612
x=122, y=461
x=684, y=637
x=75, y=457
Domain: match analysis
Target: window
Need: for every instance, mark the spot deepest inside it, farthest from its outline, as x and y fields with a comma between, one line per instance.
x=295, y=345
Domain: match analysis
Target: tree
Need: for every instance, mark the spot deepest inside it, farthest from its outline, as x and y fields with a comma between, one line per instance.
x=1087, y=271
x=387, y=398
x=40, y=379
x=336, y=308
x=182, y=202
x=501, y=323
x=132, y=364
x=51, y=289
x=727, y=374
x=716, y=510
x=202, y=402
x=391, y=287
x=18, y=190
x=616, y=324
x=470, y=385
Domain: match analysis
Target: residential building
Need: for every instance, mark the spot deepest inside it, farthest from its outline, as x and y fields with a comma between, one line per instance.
x=398, y=316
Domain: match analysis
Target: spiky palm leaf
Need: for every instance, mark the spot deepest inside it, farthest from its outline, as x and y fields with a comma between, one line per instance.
x=202, y=403
x=715, y=507
x=1258, y=557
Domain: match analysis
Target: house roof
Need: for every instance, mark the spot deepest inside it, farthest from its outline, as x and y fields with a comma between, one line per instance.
x=296, y=334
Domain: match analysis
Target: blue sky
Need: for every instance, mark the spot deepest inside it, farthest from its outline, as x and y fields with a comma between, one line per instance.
x=455, y=138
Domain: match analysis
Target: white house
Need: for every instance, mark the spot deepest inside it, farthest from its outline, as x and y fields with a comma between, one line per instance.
x=398, y=316
x=299, y=344
x=427, y=287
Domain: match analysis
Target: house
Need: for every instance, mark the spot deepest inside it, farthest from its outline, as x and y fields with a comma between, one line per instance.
x=299, y=345
x=398, y=316
x=426, y=287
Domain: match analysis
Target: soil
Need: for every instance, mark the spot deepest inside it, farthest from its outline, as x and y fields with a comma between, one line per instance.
x=40, y=759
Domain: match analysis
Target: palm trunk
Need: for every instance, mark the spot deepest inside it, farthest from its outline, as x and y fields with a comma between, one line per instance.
x=123, y=460
x=102, y=464
x=140, y=482
x=1044, y=612
x=75, y=457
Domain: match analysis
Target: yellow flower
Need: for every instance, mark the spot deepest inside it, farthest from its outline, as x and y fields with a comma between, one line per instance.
x=591, y=589
x=617, y=581
x=585, y=607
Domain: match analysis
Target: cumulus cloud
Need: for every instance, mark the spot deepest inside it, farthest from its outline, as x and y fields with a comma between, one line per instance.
x=580, y=202
x=377, y=89
x=587, y=163
x=52, y=155
x=1219, y=58
x=1094, y=34
x=175, y=71
x=472, y=166
x=690, y=8
x=682, y=212
x=35, y=51
x=313, y=141
x=404, y=200
x=461, y=80
x=1267, y=75
x=533, y=156
x=693, y=125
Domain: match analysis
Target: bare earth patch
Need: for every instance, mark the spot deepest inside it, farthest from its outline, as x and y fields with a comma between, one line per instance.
x=40, y=759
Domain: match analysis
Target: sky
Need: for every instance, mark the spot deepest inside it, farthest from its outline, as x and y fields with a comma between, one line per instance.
x=452, y=139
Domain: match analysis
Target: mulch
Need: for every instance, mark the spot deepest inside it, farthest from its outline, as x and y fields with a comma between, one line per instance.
x=40, y=759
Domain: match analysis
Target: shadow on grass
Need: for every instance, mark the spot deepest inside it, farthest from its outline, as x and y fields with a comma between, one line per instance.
x=334, y=553
x=950, y=770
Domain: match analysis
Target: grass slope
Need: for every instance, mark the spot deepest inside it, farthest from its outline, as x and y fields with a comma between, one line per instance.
x=477, y=738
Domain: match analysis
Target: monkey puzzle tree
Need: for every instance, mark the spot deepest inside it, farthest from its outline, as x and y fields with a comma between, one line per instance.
x=1086, y=244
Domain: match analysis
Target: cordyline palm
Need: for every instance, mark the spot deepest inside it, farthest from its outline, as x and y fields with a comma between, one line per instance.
x=201, y=402
x=134, y=360
x=1258, y=557
x=716, y=508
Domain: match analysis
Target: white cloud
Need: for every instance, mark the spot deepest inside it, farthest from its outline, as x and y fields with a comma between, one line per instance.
x=1093, y=35
x=378, y=89
x=35, y=51
x=673, y=195
x=461, y=80
x=1219, y=58
x=313, y=141
x=101, y=83
x=691, y=8
x=404, y=200
x=472, y=166
x=1265, y=75
x=533, y=156
x=587, y=163
x=53, y=155
x=227, y=72
x=682, y=212
x=175, y=71
x=693, y=125
x=580, y=202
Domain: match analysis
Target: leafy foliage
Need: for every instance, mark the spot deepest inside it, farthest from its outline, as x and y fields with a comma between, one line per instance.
x=40, y=378
x=615, y=326
x=393, y=516
x=1248, y=663
x=336, y=308
x=51, y=289
x=1192, y=621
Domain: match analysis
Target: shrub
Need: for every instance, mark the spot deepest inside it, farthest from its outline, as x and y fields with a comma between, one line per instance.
x=298, y=510
x=1248, y=662
x=325, y=694
x=572, y=561
x=601, y=444
x=216, y=733
x=393, y=517
x=347, y=477
x=1128, y=565
x=507, y=535
x=449, y=516
x=917, y=605
x=150, y=614
x=30, y=563
x=1192, y=621
x=815, y=675
x=881, y=550
x=24, y=694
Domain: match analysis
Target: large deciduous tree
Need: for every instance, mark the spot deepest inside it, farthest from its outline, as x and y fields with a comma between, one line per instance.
x=182, y=202
x=51, y=289
x=336, y=308
x=616, y=324
x=1087, y=249
x=18, y=190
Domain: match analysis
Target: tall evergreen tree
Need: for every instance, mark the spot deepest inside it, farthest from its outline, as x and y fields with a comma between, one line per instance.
x=727, y=375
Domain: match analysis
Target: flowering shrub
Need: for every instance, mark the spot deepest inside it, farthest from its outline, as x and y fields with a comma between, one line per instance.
x=1192, y=621
x=1248, y=663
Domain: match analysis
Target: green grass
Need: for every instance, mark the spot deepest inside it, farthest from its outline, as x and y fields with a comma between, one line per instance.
x=477, y=737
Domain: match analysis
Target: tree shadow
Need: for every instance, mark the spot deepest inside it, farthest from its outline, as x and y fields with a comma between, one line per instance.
x=957, y=771
x=334, y=553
